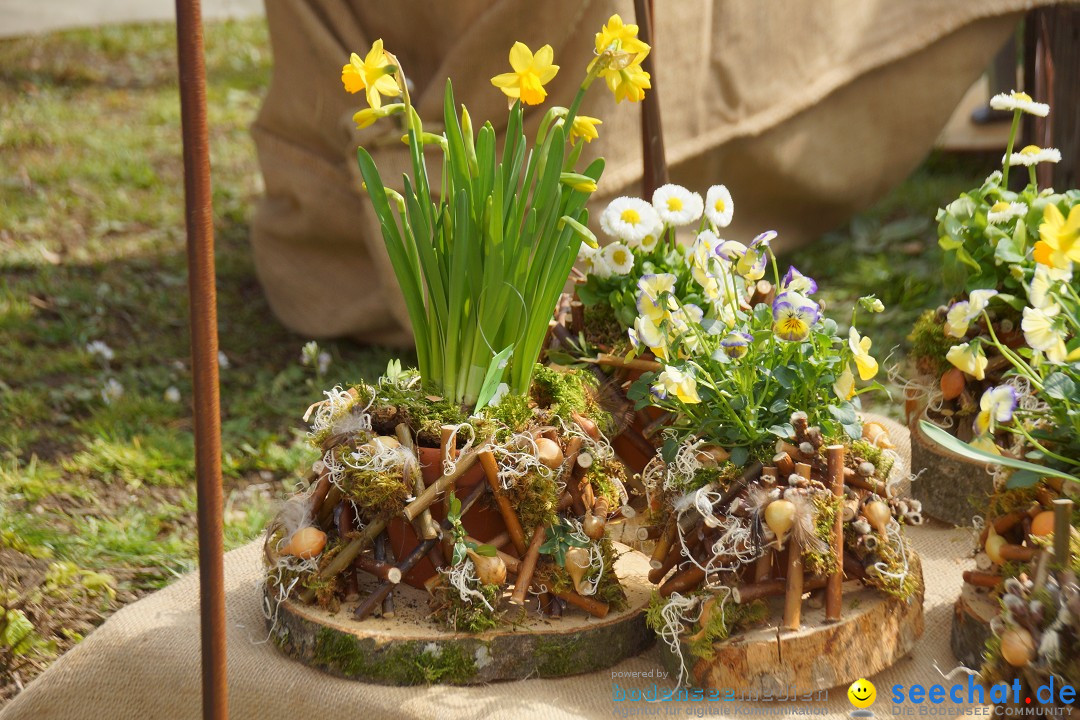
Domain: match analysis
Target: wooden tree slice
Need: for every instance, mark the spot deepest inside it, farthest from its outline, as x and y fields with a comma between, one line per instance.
x=975, y=608
x=950, y=487
x=410, y=649
x=874, y=632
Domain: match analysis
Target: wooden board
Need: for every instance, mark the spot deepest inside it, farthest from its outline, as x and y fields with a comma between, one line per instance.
x=949, y=487
x=974, y=610
x=874, y=632
x=410, y=649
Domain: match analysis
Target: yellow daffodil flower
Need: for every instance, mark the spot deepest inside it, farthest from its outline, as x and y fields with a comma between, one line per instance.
x=374, y=73
x=531, y=73
x=860, y=349
x=969, y=359
x=584, y=128
x=619, y=37
x=1059, y=244
x=368, y=116
x=629, y=83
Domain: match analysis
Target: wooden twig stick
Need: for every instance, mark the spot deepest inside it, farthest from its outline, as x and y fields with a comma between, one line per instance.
x=425, y=499
x=426, y=527
x=510, y=518
x=326, y=511
x=663, y=544
x=793, y=595
x=606, y=360
x=594, y=607
x=388, y=610
x=834, y=590
x=348, y=554
x=447, y=453
x=528, y=566
x=770, y=588
x=982, y=579
x=379, y=568
x=318, y=495
x=683, y=581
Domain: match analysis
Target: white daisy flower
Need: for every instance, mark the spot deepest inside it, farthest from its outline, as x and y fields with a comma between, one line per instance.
x=619, y=258
x=1002, y=212
x=648, y=243
x=596, y=264
x=1033, y=155
x=630, y=220
x=111, y=391
x=719, y=206
x=676, y=205
x=1019, y=101
x=172, y=394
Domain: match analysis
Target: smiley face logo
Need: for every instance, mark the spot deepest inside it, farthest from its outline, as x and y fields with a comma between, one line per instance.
x=862, y=693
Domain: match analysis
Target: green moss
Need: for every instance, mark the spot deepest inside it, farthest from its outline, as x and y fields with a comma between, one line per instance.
x=457, y=614
x=881, y=460
x=513, y=411
x=421, y=409
x=566, y=392
x=930, y=344
x=415, y=663
x=609, y=590
x=603, y=477
x=536, y=498
x=603, y=328
x=719, y=625
x=826, y=508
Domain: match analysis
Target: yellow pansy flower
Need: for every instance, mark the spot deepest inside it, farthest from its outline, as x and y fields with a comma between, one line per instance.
x=844, y=387
x=374, y=74
x=860, y=349
x=531, y=73
x=673, y=381
x=969, y=359
x=584, y=127
x=1059, y=244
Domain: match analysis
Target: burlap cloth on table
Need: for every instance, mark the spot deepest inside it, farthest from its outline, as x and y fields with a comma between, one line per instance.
x=807, y=111
x=144, y=661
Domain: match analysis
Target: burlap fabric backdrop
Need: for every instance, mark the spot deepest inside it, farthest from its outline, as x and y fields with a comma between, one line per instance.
x=144, y=662
x=807, y=111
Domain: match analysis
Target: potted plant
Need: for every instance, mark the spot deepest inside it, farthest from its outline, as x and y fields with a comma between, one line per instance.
x=481, y=470
x=768, y=483
x=990, y=237
x=595, y=321
x=1017, y=615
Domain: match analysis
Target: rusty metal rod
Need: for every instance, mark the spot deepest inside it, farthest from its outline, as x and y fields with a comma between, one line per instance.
x=202, y=302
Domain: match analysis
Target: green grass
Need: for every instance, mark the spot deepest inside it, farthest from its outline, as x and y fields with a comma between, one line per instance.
x=92, y=249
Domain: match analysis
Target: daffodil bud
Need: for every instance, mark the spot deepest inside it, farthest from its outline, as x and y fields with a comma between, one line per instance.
x=580, y=230
x=579, y=182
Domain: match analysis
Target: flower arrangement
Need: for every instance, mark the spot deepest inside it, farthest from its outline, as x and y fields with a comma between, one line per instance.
x=1021, y=317
x=481, y=260
x=768, y=481
x=997, y=244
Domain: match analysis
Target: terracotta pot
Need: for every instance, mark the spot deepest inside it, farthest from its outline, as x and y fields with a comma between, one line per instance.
x=483, y=521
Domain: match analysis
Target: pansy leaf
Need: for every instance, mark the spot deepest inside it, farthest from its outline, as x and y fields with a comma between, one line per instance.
x=844, y=413
x=784, y=430
x=670, y=449
x=1023, y=479
x=785, y=376
x=739, y=456
x=1059, y=386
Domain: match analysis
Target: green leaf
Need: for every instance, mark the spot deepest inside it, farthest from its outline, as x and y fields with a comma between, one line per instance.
x=455, y=506
x=486, y=550
x=459, y=554
x=739, y=456
x=1023, y=479
x=961, y=448
x=1060, y=386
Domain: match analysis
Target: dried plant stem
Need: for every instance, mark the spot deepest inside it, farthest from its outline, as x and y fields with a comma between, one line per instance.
x=425, y=499
x=793, y=595
x=426, y=527
x=528, y=566
x=510, y=518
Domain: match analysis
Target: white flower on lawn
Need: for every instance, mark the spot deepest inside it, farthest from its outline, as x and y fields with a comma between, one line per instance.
x=719, y=207
x=172, y=394
x=1003, y=212
x=322, y=363
x=630, y=220
x=1019, y=101
x=222, y=360
x=619, y=258
x=100, y=349
x=676, y=205
x=112, y=391
x=1033, y=155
